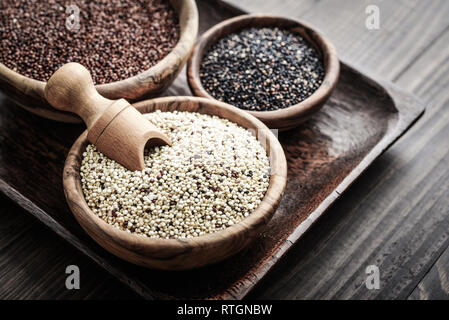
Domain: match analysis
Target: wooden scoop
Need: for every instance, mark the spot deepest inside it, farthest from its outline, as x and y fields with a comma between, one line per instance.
x=115, y=127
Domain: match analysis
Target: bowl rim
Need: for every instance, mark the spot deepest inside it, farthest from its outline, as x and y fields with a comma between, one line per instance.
x=188, y=34
x=133, y=242
x=327, y=50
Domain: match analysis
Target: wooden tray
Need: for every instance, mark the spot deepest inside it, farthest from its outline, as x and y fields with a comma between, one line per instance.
x=325, y=155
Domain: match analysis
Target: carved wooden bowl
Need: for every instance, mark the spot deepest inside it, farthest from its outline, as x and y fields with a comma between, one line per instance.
x=29, y=93
x=177, y=254
x=283, y=118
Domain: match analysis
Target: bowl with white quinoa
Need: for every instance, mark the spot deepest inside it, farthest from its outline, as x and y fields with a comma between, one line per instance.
x=197, y=202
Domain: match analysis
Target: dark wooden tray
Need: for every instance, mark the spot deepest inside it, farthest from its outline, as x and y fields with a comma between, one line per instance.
x=325, y=155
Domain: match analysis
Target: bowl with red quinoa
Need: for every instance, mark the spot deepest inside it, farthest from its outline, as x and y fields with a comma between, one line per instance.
x=133, y=49
x=279, y=70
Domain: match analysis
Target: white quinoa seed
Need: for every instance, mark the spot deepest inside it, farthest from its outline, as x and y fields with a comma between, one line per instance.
x=213, y=176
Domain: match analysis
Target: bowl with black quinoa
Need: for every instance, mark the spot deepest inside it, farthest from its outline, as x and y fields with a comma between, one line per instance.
x=277, y=69
x=133, y=49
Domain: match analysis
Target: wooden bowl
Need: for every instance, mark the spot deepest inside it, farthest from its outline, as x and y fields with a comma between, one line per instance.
x=291, y=116
x=177, y=254
x=29, y=93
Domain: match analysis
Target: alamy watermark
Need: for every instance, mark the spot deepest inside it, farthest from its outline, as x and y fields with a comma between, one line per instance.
x=372, y=281
x=372, y=21
x=72, y=22
x=73, y=279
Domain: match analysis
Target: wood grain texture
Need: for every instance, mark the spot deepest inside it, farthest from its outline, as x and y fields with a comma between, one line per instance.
x=318, y=169
x=181, y=254
x=433, y=66
x=40, y=273
x=331, y=253
x=395, y=215
x=407, y=28
x=281, y=119
x=435, y=285
x=29, y=93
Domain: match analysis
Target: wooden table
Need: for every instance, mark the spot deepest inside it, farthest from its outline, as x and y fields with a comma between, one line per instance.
x=396, y=216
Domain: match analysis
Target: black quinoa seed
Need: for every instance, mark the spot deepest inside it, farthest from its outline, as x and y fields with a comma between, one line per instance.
x=262, y=69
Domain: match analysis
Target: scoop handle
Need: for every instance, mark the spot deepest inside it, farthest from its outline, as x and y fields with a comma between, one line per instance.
x=72, y=89
x=117, y=129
